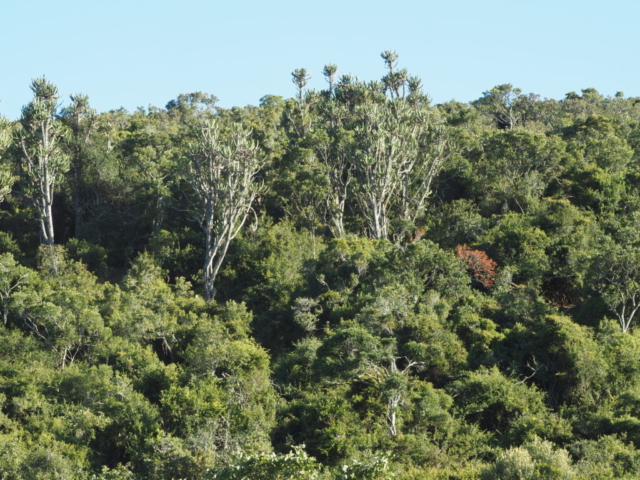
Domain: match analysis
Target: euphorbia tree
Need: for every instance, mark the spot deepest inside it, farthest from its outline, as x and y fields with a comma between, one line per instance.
x=44, y=161
x=222, y=172
x=399, y=151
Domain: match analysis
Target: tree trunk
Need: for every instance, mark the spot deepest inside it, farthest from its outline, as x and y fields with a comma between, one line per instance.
x=392, y=407
x=46, y=224
x=209, y=275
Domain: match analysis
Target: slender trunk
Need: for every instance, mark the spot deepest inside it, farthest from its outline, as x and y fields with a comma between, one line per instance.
x=64, y=358
x=216, y=250
x=405, y=196
x=338, y=229
x=216, y=267
x=209, y=276
x=379, y=220
x=335, y=209
x=48, y=238
x=392, y=407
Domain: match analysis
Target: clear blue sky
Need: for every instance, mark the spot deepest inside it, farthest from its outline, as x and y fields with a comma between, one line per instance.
x=139, y=52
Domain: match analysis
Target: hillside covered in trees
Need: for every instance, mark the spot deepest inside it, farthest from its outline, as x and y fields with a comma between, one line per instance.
x=351, y=283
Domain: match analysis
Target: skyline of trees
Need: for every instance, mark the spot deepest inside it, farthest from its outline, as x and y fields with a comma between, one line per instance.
x=349, y=283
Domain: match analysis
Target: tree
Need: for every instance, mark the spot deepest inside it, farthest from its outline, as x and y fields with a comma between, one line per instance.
x=150, y=150
x=272, y=466
x=399, y=151
x=535, y=459
x=501, y=103
x=44, y=160
x=617, y=279
x=300, y=77
x=61, y=306
x=7, y=179
x=513, y=168
x=82, y=121
x=5, y=133
x=395, y=79
x=510, y=410
x=222, y=172
x=299, y=118
x=481, y=267
x=190, y=106
x=385, y=144
x=601, y=163
x=12, y=277
x=355, y=354
x=332, y=143
x=329, y=71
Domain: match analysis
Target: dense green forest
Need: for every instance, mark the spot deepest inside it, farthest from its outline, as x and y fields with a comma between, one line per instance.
x=351, y=283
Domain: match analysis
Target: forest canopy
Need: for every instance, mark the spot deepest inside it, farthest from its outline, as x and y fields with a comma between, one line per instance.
x=351, y=283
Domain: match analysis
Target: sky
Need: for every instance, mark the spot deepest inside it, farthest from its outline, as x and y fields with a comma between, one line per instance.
x=141, y=53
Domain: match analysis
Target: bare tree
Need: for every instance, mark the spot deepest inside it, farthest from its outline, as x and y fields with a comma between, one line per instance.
x=222, y=172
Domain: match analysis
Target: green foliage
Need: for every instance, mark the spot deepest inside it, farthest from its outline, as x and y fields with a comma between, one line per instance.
x=42, y=458
x=606, y=457
x=344, y=321
x=93, y=256
x=616, y=277
x=501, y=103
x=516, y=242
x=268, y=270
x=44, y=161
x=293, y=465
x=513, y=169
x=561, y=357
x=375, y=467
x=61, y=307
x=537, y=459
x=596, y=175
x=499, y=404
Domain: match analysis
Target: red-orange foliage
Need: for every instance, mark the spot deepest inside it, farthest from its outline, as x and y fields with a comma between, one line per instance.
x=482, y=268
